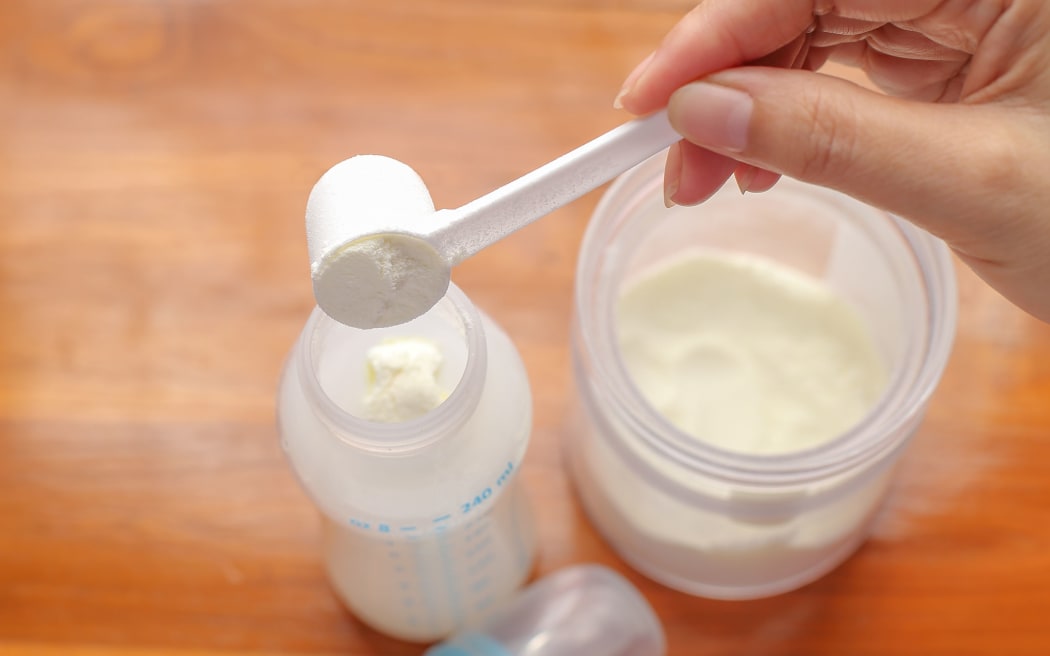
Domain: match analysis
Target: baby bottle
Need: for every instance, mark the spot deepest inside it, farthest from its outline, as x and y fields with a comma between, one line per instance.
x=409, y=440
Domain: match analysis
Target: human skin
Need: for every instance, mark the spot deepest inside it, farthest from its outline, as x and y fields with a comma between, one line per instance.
x=959, y=143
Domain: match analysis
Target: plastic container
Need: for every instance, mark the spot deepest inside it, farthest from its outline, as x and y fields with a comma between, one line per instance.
x=426, y=527
x=586, y=609
x=727, y=525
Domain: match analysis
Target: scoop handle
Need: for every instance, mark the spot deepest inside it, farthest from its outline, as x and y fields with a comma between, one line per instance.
x=462, y=232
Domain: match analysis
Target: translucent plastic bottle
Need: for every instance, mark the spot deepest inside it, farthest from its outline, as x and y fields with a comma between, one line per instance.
x=427, y=529
x=581, y=610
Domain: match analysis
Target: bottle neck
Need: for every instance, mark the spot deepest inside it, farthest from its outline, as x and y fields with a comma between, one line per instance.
x=331, y=365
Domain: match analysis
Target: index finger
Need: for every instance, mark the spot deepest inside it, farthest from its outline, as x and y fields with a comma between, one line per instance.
x=720, y=34
x=715, y=35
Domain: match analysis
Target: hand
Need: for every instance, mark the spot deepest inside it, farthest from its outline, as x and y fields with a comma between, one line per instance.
x=960, y=146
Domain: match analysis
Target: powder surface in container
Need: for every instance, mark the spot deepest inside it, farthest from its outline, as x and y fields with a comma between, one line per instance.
x=746, y=354
x=403, y=379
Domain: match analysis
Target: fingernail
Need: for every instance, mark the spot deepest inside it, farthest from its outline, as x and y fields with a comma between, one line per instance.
x=823, y=7
x=632, y=79
x=745, y=177
x=712, y=115
x=672, y=174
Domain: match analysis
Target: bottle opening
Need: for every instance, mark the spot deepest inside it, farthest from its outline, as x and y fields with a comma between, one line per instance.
x=400, y=388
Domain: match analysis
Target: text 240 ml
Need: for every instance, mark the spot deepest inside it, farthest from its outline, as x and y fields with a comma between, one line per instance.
x=486, y=494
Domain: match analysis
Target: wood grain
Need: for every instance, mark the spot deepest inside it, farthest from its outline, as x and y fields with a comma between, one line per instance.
x=155, y=158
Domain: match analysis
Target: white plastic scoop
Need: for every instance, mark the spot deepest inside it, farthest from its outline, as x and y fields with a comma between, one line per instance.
x=381, y=255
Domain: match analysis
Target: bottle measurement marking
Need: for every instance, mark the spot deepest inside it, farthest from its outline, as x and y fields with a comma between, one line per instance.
x=505, y=475
x=484, y=603
x=486, y=494
x=480, y=584
x=426, y=582
x=465, y=507
x=452, y=588
x=446, y=568
x=486, y=561
x=518, y=541
x=479, y=547
x=408, y=600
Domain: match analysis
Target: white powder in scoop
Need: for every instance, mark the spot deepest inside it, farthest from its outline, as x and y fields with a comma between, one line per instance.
x=368, y=270
x=747, y=354
x=403, y=379
x=380, y=281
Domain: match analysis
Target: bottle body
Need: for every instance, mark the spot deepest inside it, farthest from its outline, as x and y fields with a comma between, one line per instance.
x=424, y=583
x=426, y=527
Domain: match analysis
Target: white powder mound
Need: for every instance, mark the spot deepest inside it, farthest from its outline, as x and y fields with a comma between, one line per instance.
x=380, y=281
x=368, y=271
x=747, y=354
x=402, y=376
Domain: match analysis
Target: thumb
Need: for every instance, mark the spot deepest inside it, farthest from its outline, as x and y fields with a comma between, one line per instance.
x=931, y=163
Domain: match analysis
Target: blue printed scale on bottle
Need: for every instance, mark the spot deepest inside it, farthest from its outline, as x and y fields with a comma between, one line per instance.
x=427, y=528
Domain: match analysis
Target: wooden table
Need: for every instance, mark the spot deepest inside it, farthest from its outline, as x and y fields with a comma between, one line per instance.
x=155, y=158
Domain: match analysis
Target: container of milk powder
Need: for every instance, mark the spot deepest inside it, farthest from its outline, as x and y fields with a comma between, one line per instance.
x=748, y=373
x=409, y=440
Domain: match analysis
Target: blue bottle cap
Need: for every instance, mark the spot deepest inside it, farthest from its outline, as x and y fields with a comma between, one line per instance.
x=468, y=644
